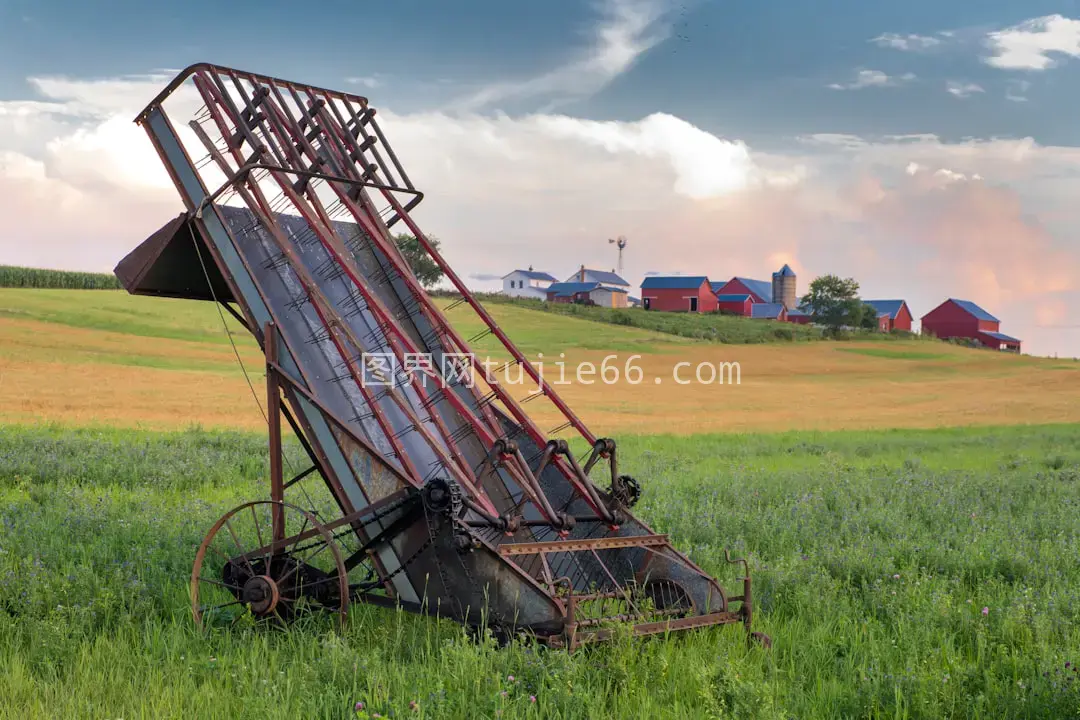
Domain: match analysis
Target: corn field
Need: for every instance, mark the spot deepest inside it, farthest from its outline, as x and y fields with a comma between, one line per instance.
x=21, y=277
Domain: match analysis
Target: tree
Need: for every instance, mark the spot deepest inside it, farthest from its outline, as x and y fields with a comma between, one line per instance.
x=869, y=320
x=427, y=272
x=834, y=302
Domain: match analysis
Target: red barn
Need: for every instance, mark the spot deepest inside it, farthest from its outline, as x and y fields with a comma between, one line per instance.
x=678, y=293
x=799, y=316
x=738, y=304
x=892, y=314
x=962, y=318
x=759, y=290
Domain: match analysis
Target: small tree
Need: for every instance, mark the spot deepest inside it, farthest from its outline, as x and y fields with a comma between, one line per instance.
x=427, y=272
x=869, y=319
x=834, y=302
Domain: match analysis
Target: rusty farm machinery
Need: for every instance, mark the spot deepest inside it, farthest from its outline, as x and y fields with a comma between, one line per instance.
x=428, y=485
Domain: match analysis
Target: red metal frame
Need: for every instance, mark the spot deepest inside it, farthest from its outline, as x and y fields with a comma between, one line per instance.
x=217, y=99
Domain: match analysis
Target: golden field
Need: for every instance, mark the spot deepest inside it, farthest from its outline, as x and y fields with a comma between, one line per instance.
x=97, y=357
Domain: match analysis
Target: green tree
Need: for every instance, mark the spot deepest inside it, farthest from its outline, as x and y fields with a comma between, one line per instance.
x=427, y=272
x=834, y=302
x=869, y=320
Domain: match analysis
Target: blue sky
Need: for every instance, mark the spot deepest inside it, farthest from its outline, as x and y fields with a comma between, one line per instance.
x=930, y=149
x=753, y=70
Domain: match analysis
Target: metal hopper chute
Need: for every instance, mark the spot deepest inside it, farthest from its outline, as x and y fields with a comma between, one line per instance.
x=438, y=491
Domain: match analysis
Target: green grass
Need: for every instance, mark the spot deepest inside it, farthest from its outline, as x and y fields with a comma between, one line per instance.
x=22, y=277
x=711, y=327
x=117, y=311
x=873, y=554
x=905, y=354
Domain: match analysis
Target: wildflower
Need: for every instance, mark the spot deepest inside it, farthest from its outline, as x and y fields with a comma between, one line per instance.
x=503, y=693
x=413, y=705
x=532, y=698
x=986, y=611
x=1068, y=665
x=509, y=678
x=896, y=576
x=359, y=706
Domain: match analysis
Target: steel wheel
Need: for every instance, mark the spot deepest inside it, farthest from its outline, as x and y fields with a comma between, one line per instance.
x=240, y=572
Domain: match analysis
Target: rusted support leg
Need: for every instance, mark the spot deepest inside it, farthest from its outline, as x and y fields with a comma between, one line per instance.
x=273, y=416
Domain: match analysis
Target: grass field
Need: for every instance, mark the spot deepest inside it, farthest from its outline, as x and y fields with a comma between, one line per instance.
x=913, y=574
x=100, y=357
x=902, y=573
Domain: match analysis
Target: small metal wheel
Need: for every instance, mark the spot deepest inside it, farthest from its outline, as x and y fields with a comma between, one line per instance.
x=241, y=572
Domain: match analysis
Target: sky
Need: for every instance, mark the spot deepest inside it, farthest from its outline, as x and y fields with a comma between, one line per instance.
x=929, y=151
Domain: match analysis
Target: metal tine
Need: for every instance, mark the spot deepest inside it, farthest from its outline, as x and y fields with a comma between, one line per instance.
x=457, y=303
x=326, y=265
x=300, y=301
x=276, y=261
x=433, y=398
x=358, y=243
x=560, y=428
x=480, y=335
x=307, y=240
x=530, y=397
x=503, y=368
x=319, y=336
x=362, y=418
x=356, y=302
x=430, y=337
x=335, y=274
x=462, y=432
x=516, y=431
x=405, y=431
x=487, y=399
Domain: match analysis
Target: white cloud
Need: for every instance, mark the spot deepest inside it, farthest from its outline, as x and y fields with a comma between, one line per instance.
x=872, y=78
x=907, y=43
x=370, y=82
x=1029, y=45
x=629, y=29
x=906, y=215
x=963, y=90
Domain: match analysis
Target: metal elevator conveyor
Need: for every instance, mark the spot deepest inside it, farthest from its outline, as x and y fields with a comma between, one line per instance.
x=429, y=485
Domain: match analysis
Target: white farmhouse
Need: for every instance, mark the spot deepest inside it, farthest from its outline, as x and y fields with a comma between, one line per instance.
x=527, y=283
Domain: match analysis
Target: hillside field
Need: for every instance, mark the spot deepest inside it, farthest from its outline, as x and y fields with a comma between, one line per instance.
x=105, y=357
x=909, y=510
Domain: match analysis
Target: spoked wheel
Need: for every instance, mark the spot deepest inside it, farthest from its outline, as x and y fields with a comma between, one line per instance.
x=241, y=572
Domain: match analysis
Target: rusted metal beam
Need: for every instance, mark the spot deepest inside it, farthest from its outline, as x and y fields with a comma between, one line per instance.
x=601, y=543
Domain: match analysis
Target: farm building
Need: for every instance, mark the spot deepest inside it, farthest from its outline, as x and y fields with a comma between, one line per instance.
x=589, y=293
x=738, y=304
x=610, y=279
x=783, y=287
x=800, y=316
x=760, y=291
x=768, y=311
x=527, y=283
x=678, y=293
x=892, y=314
x=964, y=319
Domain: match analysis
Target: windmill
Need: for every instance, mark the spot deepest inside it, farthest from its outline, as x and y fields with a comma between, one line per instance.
x=621, y=243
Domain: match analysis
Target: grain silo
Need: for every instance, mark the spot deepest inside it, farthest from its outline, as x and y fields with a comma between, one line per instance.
x=783, y=287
